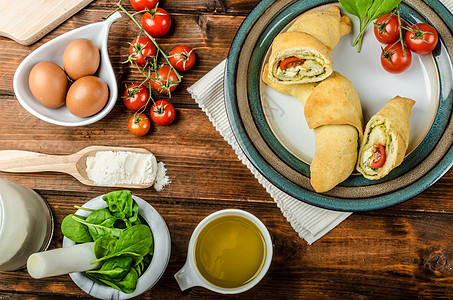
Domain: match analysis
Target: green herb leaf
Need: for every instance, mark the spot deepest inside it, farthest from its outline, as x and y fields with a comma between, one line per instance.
x=99, y=230
x=358, y=8
x=114, y=268
x=382, y=7
x=137, y=240
x=75, y=230
x=104, y=246
x=122, y=205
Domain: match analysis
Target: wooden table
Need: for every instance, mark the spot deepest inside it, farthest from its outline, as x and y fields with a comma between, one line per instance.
x=404, y=251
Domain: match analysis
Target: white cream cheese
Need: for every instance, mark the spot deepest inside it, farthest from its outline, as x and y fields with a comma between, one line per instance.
x=108, y=168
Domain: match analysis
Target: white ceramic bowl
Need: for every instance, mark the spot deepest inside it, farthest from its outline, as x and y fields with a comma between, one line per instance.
x=159, y=262
x=53, y=51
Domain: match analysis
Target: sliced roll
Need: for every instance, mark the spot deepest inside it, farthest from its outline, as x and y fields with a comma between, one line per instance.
x=302, y=53
x=386, y=139
x=298, y=57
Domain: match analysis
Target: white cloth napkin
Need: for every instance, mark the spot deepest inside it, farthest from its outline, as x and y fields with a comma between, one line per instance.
x=308, y=221
x=448, y=4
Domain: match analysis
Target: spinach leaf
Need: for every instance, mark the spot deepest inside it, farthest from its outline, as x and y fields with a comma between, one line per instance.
x=75, y=230
x=114, y=268
x=99, y=230
x=101, y=216
x=104, y=246
x=136, y=240
x=122, y=205
x=126, y=285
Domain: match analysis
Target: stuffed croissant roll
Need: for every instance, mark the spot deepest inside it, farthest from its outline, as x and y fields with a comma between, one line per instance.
x=298, y=57
x=334, y=111
x=386, y=139
x=302, y=54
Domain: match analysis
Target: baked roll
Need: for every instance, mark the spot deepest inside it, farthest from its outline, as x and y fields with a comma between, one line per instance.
x=334, y=112
x=302, y=54
x=298, y=57
x=327, y=25
x=332, y=109
x=386, y=139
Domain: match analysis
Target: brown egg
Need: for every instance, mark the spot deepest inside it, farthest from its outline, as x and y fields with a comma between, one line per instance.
x=48, y=83
x=81, y=58
x=87, y=96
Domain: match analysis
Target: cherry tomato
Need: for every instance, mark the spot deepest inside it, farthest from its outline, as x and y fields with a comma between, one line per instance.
x=290, y=62
x=143, y=4
x=421, y=38
x=164, y=80
x=394, y=59
x=139, y=124
x=136, y=96
x=379, y=156
x=162, y=112
x=182, y=58
x=156, y=22
x=387, y=29
x=142, y=50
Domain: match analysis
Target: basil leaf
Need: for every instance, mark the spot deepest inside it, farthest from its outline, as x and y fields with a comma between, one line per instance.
x=382, y=7
x=358, y=8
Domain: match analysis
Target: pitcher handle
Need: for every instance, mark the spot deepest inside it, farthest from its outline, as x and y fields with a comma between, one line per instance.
x=187, y=278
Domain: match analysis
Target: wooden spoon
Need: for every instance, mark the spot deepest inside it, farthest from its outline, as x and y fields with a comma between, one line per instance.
x=74, y=164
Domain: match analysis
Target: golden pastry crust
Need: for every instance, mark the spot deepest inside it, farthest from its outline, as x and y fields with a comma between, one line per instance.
x=326, y=25
x=334, y=111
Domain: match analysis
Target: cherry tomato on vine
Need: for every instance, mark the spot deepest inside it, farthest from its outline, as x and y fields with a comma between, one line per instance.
x=162, y=112
x=164, y=80
x=157, y=22
x=394, y=59
x=142, y=50
x=387, y=29
x=379, y=156
x=139, y=124
x=182, y=58
x=142, y=4
x=421, y=38
x=136, y=96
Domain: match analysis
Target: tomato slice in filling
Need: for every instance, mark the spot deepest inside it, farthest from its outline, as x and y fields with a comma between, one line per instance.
x=290, y=62
x=379, y=156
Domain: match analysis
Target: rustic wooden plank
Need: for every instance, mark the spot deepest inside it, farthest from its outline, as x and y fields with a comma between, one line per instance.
x=388, y=256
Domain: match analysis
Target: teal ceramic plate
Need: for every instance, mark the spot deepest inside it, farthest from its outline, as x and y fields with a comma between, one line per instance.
x=270, y=127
